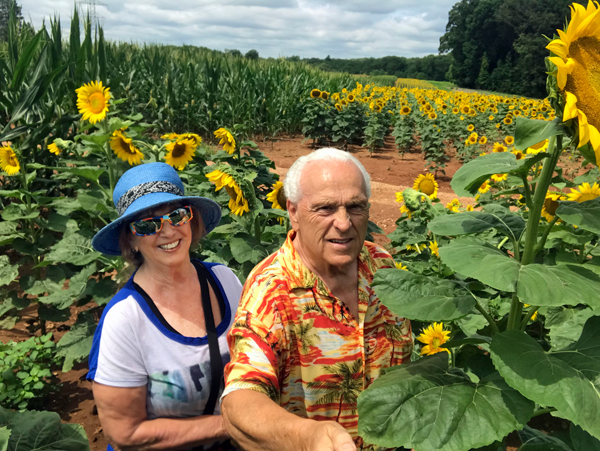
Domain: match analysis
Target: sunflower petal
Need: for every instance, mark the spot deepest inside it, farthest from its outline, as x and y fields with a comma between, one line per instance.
x=559, y=48
x=570, y=106
x=584, y=130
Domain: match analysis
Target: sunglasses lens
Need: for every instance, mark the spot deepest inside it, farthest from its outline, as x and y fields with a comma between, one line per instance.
x=147, y=227
x=180, y=216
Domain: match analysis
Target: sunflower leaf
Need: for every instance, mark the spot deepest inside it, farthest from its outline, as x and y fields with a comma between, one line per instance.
x=530, y=132
x=396, y=410
x=582, y=214
x=571, y=373
x=469, y=177
x=421, y=298
x=535, y=284
x=502, y=219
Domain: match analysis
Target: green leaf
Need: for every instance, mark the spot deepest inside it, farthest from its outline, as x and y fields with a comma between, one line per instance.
x=246, y=249
x=585, y=214
x=566, y=325
x=534, y=284
x=73, y=248
x=534, y=440
x=497, y=217
x=51, y=313
x=4, y=437
x=469, y=177
x=421, y=298
x=564, y=380
x=89, y=172
x=12, y=301
x=582, y=441
x=427, y=406
x=37, y=431
x=76, y=344
x=61, y=299
x=57, y=222
x=17, y=212
x=8, y=272
x=529, y=132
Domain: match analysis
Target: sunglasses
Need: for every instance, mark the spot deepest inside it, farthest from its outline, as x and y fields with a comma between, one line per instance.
x=151, y=226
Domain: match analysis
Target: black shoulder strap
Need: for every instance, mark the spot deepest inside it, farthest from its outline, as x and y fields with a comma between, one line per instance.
x=216, y=364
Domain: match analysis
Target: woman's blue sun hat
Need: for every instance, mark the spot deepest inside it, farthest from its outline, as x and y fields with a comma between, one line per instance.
x=145, y=187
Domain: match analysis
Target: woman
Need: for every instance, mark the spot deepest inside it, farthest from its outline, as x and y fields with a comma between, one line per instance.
x=159, y=350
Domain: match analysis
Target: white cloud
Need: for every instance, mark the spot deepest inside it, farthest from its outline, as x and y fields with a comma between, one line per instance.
x=309, y=28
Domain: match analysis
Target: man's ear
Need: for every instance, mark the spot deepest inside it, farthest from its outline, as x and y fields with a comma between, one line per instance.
x=292, y=210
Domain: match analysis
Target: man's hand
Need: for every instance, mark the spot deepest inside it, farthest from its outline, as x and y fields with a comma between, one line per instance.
x=328, y=436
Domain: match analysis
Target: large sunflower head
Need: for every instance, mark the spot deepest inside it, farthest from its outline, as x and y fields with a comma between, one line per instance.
x=238, y=203
x=551, y=204
x=585, y=192
x=124, y=149
x=53, y=148
x=324, y=95
x=9, y=162
x=226, y=140
x=405, y=110
x=498, y=148
x=277, y=197
x=315, y=93
x=92, y=101
x=426, y=184
x=577, y=53
x=193, y=136
x=180, y=152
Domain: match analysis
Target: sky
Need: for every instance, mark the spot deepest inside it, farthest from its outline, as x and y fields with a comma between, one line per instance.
x=275, y=28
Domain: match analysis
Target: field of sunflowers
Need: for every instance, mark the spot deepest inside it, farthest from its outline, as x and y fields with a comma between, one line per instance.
x=502, y=292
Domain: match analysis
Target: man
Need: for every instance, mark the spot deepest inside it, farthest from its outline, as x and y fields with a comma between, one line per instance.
x=310, y=335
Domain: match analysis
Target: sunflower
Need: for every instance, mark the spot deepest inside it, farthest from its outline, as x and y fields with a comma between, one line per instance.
x=585, y=192
x=324, y=95
x=539, y=147
x=471, y=127
x=399, y=265
x=427, y=185
x=485, y=187
x=180, y=152
x=170, y=136
x=277, y=197
x=416, y=247
x=238, y=204
x=53, y=148
x=433, y=337
x=551, y=204
x=469, y=207
x=517, y=153
x=351, y=97
x=499, y=177
x=453, y=205
x=576, y=59
x=498, y=148
x=92, y=101
x=433, y=247
x=315, y=93
x=193, y=136
x=473, y=137
x=124, y=149
x=491, y=118
x=227, y=140
x=405, y=110
x=432, y=116
x=509, y=140
x=338, y=107
x=534, y=316
x=455, y=110
x=507, y=120
x=9, y=162
x=482, y=140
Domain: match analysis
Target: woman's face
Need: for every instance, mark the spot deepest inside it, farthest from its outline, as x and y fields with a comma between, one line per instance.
x=169, y=247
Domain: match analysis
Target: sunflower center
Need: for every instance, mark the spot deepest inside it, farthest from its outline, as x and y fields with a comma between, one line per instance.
x=178, y=150
x=426, y=186
x=125, y=147
x=97, y=102
x=281, y=199
x=551, y=205
x=12, y=160
x=435, y=343
x=231, y=193
x=584, y=81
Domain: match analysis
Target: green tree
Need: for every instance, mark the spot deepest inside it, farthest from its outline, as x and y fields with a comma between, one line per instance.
x=5, y=6
x=251, y=54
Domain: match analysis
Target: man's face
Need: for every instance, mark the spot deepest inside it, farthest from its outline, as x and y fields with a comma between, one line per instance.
x=332, y=216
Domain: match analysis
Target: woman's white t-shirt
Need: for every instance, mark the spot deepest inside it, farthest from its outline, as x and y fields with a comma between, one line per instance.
x=133, y=348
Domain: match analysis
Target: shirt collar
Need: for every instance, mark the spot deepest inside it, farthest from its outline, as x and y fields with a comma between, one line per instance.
x=300, y=276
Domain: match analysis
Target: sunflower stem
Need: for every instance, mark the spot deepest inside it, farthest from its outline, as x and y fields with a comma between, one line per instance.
x=527, y=191
x=487, y=316
x=532, y=311
x=516, y=310
x=257, y=229
x=544, y=237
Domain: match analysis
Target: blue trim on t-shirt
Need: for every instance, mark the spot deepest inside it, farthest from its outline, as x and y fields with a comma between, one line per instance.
x=129, y=290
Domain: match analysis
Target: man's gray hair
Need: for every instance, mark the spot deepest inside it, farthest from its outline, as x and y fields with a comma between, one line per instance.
x=291, y=184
